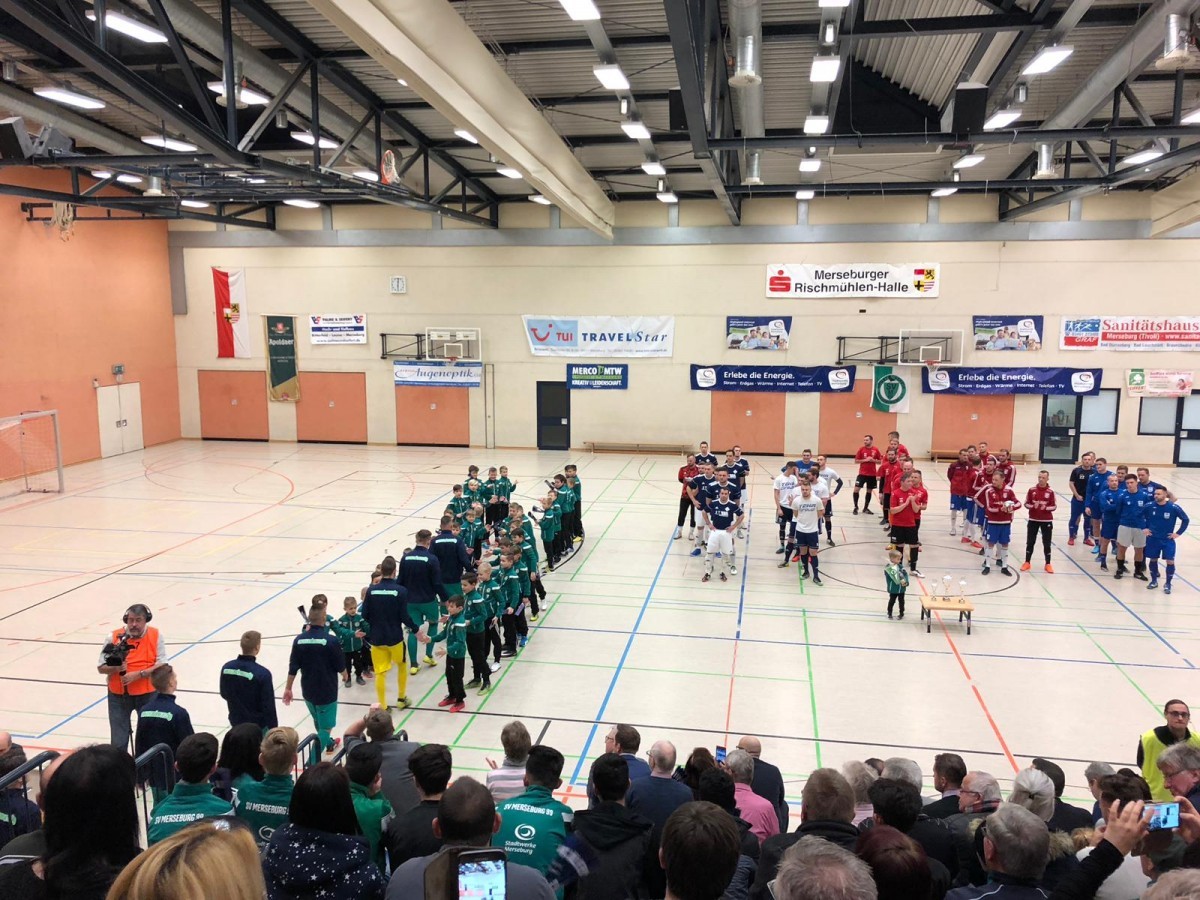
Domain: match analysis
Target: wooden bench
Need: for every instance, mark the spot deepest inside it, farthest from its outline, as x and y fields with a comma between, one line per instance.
x=1019, y=458
x=616, y=447
x=946, y=604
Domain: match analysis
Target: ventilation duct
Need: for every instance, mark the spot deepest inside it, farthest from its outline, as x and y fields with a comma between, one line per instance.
x=753, y=168
x=1045, y=162
x=745, y=25
x=1178, y=52
x=746, y=71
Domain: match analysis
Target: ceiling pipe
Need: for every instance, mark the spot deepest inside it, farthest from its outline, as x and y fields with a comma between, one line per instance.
x=745, y=26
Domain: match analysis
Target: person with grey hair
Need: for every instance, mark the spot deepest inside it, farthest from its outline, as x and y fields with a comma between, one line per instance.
x=826, y=808
x=1181, y=884
x=1034, y=791
x=1180, y=767
x=1093, y=773
x=901, y=769
x=861, y=777
x=814, y=869
x=656, y=798
x=1015, y=843
x=758, y=811
x=977, y=799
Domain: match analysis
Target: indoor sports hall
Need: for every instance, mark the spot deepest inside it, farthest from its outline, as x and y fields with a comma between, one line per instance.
x=278, y=272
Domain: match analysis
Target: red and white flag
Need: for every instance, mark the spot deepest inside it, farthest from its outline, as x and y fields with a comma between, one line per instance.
x=233, y=322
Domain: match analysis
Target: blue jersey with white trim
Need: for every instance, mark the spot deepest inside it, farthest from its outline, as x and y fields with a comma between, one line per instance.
x=723, y=515
x=1161, y=520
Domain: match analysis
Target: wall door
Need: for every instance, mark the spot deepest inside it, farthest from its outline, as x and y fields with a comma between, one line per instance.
x=119, y=412
x=553, y=416
x=332, y=408
x=233, y=405
x=1060, y=429
x=846, y=417
x=754, y=421
x=962, y=419
x=1187, y=442
x=433, y=416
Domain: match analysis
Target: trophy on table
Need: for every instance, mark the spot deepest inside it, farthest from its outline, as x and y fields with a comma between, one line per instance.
x=962, y=590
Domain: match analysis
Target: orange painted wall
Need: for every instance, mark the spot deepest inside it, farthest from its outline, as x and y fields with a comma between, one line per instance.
x=332, y=407
x=220, y=417
x=841, y=429
x=759, y=432
x=73, y=309
x=954, y=428
x=447, y=426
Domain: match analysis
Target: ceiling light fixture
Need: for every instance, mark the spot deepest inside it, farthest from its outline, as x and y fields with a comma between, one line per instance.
x=401, y=82
x=366, y=174
x=195, y=204
x=969, y=161
x=611, y=77
x=1047, y=58
x=1192, y=118
x=69, y=97
x=8, y=70
x=303, y=204
x=825, y=69
x=654, y=167
x=305, y=137
x=805, y=195
x=810, y=165
x=816, y=124
x=581, y=10
x=667, y=197
x=829, y=32
x=256, y=181
x=130, y=27
x=943, y=192
x=636, y=129
x=833, y=4
x=466, y=135
x=1001, y=118
x=245, y=95
x=166, y=143
x=508, y=172
x=1142, y=156
x=539, y=199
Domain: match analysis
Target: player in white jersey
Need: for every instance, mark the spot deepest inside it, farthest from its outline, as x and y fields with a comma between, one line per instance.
x=722, y=516
x=785, y=486
x=807, y=512
x=834, y=483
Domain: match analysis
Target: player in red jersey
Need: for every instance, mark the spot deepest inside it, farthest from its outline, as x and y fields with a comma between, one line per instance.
x=960, y=474
x=1005, y=467
x=887, y=469
x=999, y=502
x=868, y=458
x=1041, y=502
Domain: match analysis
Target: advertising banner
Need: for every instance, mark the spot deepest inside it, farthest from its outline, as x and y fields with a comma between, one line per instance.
x=786, y=280
x=757, y=332
x=600, y=335
x=1130, y=333
x=608, y=376
x=794, y=379
x=1159, y=382
x=971, y=380
x=434, y=373
x=1008, y=332
x=282, y=374
x=889, y=388
x=337, y=329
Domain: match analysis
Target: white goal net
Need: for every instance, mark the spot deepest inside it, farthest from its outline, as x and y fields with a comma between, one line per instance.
x=30, y=454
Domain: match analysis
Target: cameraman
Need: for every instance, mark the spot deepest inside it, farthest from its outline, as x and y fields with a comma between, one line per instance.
x=130, y=656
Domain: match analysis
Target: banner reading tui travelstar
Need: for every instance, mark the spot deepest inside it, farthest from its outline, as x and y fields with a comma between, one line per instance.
x=600, y=335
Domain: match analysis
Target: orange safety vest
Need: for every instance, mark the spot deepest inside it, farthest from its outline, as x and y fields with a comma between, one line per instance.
x=143, y=653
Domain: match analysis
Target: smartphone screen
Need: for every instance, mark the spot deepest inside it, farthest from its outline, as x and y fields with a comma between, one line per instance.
x=481, y=875
x=1164, y=815
x=720, y=755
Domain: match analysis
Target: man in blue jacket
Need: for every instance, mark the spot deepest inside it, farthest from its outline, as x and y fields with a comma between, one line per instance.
x=385, y=607
x=1165, y=521
x=162, y=721
x=452, y=556
x=248, y=688
x=317, y=657
x=421, y=575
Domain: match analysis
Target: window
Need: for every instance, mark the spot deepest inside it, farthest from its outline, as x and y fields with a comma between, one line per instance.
x=1099, y=414
x=1157, y=415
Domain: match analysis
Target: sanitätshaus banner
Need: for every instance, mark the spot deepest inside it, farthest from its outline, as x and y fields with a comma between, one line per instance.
x=792, y=379
x=789, y=280
x=600, y=335
x=434, y=373
x=971, y=380
x=1130, y=333
x=282, y=374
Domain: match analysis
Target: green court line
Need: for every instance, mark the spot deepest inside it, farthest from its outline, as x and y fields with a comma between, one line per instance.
x=1137, y=687
x=613, y=480
x=812, y=690
x=595, y=546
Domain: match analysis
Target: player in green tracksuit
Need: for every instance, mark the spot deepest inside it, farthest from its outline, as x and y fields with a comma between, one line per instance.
x=526, y=589
x=505, y=488
x=348, y=628
x=454, y=633
x=533, y=825
x=489, y=586
x=549, y=527
x=474, y=493
x=458, y=504
x=490, y=488
x=510, y=599
x=473, y=532
x=529, y=555
x=478, y=613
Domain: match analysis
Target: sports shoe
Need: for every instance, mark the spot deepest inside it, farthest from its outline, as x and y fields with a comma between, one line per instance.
x=803, y=575
x=333, y=745
x=901, y=616
x=965, y=540
x=719, y=554
x=403, y=703
x=1005, y=570
x=533, y=618
x=1070, y=542
x=1103, y=566
x=724, y=577
x=360, y=680
x=445, y=701
x=507, y=654
x=915, y=572
x=706, y=577
x=678, y=534
x=1152, y=585
x=494, y=667
x=829, y=542
x=732, y=569
x=692, y=534
x=429, y=661
x=485, y=689
x=1140, y=576
x=987, y=570
x=741, y=533
x=782, y=549
x=522, y=641
x=817, y=579
x=1166, y=589
x=473, y=683
x=1095, y=548
x=1025, y=566
x=696, y=552
x=413, y=670
x=1088, y=542
x=1120, y=573
x=1049, y=569
x=346, y=682
x=977, y=545
x=953, y=531
x=796, y=558
x=784, y=564
x=867, y=511
x=855, y=510
x=458, y=706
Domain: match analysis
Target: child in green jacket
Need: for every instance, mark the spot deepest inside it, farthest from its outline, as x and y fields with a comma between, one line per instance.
x=351, y=628
x=454, y=633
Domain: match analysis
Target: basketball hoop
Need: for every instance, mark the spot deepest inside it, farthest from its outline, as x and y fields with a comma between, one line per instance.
x=931, y=364
x=389, y=172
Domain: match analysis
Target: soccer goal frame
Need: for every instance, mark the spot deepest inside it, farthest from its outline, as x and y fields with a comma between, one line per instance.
x=30, y=454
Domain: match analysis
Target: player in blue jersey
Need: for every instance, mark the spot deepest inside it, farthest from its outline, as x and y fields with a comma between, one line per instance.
x=1097, y=482
x=1079, y=486
x=698, y=490
x=704, y=457
x=722, y=516
x=1131, y=532
x=1106, y=504
x=1165, y=521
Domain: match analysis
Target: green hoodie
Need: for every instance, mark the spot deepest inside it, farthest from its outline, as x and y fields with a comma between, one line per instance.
x=186, y=804
x=263, y=805
x=371, y=811
x=532, y=826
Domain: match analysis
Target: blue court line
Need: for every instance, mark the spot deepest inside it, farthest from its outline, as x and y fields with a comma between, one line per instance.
x=709, y=637
x=254, y=608
x=741, y=607
x=620, y=665
x=1125, y=607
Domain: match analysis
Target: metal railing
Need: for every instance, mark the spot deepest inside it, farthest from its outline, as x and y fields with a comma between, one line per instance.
x=303, y=754
x=21, y=773
x=340, y=757
x=155, y=776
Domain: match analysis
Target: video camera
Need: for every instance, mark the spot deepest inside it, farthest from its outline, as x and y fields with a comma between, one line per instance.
x=115, y=652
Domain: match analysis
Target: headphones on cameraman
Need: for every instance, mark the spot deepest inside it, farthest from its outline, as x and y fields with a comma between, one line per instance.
x=138, y=609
